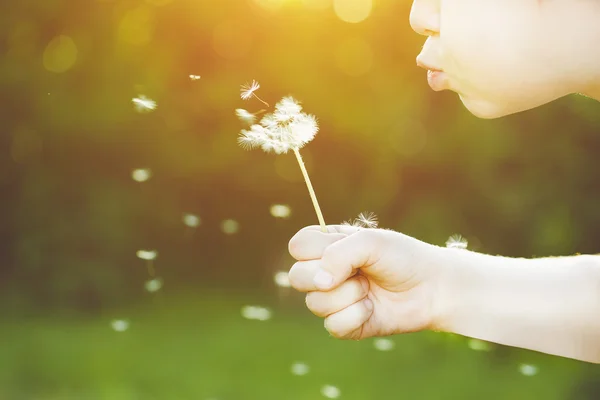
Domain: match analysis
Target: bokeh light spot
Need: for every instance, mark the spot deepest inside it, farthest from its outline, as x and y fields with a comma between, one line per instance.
x=230, y=226
x=153, y=285
x=384, y=344
x=280, y=211
x=354, y=56
x=147, y=255
x=191, y=220
x=479, y=345
x=316, y=4
x=60, y=54
x=232, y=39
x=256, y=313
x=119, y=325
x=300, y=368
x=331, y=392
x=528, y=369
x=282, y=279
x=353, y=11
x=141, y=174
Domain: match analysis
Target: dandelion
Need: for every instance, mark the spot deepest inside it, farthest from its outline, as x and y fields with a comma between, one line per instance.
x=528, y=369
x=280, y=211
x=248, y=91
x=282, y=279
x=300, y=369
x=143, y=104
x=119, y=325
x=194, y=77
x=245, y=116
x=287, y=128
x=365, y=219
x=331, y=392
x=457, y=242
x=141, y=174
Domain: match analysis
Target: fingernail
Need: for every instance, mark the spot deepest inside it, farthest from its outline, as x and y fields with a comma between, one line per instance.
x=369, y=304
x=323, y=279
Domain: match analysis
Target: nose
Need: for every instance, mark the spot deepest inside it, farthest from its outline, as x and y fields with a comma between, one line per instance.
x=425, y=17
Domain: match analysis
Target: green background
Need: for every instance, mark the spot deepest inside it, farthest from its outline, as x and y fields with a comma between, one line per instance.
x=73, y=219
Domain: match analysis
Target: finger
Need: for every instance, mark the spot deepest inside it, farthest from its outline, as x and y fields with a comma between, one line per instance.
x=302, y=275
x=309, y=244
x=323, y=304
x=347, y=323
x=342, y=258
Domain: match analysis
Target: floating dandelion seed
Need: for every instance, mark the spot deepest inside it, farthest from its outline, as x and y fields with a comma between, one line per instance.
x=457, y=242
x=300, y=369
x=119, y=325
x=364, y=220
x=280, y=211
x=147, y=255
x=331, y=392
x=230, y=226
x=191, y=220
x=384, y=344
x=282, y=279
x=287, y=128
x=141, y=174
x=245, y=116
x=194, y=77
x=528, y=369
x=249, y=90
x=153, y=285
x=143, y=104
x=256, y=313
x=479, y=345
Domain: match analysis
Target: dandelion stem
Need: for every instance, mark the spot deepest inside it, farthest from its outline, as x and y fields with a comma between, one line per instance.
x=261, y=100
x=311, y=191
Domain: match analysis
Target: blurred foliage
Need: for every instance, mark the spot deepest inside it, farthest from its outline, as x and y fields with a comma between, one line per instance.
x=73, y=218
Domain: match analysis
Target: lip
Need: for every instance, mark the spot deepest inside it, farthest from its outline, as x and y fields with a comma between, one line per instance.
x=436, y=77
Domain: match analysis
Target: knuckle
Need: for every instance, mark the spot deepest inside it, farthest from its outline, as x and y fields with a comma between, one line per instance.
x=294, y=274
x=314, y=304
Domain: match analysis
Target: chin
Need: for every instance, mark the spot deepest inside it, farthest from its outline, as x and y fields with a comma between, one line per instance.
x=488, y=110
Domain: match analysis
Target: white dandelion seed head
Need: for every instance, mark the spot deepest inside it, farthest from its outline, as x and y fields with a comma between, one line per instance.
x=247, y=90
x=141, y=174
x=119, y=325
x=143, y=104
x=280, y=211
x=194, y=77
x=300, y=368
x=457, y=242
x=528, y=369
x=147, y=255
x=331, y=392
x=256, y=313
x=191, y=220
x=245, y=116
x=153, y=285
x=284, y=130
x=282, y=279
x=384, y=344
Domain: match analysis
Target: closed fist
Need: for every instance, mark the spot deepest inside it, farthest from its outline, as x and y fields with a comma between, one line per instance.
x=366, y=282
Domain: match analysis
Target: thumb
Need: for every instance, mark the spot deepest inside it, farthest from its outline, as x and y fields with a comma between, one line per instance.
x=342, y=259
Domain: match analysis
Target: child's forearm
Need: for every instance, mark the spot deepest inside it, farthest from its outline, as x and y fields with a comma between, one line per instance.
x=551, y=305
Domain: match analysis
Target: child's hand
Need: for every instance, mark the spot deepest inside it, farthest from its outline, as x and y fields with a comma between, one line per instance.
x=367, y=282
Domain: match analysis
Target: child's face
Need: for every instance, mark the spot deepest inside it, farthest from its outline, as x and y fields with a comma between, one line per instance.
x=498, y=55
